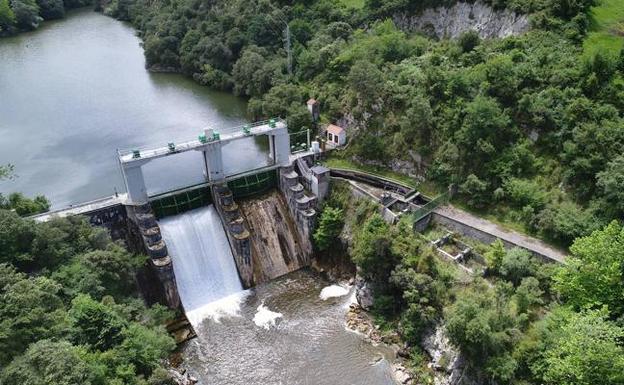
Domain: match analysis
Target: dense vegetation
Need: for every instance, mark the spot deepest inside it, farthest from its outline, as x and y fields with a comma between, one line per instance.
x=22, y=205
x=528, y=127
x=26, y=15
x=69, y=310
x=523, y=322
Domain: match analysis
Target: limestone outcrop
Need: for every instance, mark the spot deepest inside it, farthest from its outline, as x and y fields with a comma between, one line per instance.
x=451, y=22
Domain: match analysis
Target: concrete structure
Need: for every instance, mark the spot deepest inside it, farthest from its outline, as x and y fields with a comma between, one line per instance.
x=210, y=143
x=485, y=231
x=336, y=136
x=315, y=178
x=301, y=204
x=446, y=215
x=236, y=231
x=314, y=109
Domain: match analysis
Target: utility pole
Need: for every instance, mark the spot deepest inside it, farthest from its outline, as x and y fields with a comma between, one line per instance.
x=287, y=38
x=288, y=49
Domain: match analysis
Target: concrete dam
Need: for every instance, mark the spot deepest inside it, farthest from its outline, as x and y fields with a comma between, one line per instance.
x=209, y=242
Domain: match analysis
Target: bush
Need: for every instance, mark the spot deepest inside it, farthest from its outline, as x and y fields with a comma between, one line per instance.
x=475, y=191
x=468, y=40
x=593, y=275
x=329, y=228
x=523, y=192
x=517, y=264
x=24, y=206
x=565, y=221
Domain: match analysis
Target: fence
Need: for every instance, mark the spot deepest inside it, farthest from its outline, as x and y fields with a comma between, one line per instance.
x=299, y=141
x=425, y=210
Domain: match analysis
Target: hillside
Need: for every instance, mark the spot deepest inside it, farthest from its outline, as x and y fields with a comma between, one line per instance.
x=527, y=126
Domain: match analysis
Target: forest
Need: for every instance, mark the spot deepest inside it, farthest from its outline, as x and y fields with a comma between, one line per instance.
x=70, y=311
x=528, y=127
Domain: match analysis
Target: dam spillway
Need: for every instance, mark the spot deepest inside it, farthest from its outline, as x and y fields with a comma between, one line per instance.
x=203, y=263
x=276, y=240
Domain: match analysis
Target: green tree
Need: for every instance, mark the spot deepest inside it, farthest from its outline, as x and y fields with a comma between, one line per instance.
x=495, y=254
x=26, y=14
x=47, y=362
x=475, y=190
x=517, y=264
x=145, y=347
x=95, y=323
x=372, y=250
x=30, y=309
x=611, y=185
x=99, y=273
x=329, y=228
x=252, y=73
x=367, y=81
x=593, y=274
x=486, y=130
x=421, y=293
x=468, y=40
x=25, y=206
x=581, y=349
x=484, y=325
x=7, y=21
x=528, y=294
x=51, y=9
x=564, y=221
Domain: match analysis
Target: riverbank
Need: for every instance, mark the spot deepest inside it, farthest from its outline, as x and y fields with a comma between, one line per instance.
x=31, y=16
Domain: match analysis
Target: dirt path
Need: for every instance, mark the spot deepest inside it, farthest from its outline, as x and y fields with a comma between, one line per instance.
x=510, y=236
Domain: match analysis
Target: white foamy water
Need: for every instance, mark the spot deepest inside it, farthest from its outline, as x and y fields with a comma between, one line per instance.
x=333, y=291
x=265, y=318
x=203, y=263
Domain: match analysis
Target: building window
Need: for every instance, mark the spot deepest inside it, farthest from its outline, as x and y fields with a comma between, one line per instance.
x=330, y=136
x=335, y=138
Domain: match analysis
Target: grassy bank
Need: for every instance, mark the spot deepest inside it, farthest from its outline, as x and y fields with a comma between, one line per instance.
x=606, y=29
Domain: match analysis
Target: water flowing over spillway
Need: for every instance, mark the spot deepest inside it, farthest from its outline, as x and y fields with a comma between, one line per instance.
x=205, y=270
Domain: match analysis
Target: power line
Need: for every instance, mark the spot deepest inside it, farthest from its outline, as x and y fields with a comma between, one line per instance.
x=287, y=38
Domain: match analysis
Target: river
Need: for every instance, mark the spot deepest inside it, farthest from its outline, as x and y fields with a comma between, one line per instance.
x=75, y=90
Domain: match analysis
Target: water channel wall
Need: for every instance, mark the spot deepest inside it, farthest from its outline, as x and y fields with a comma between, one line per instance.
x=237, y=233
x=277, y=243
x=147, y=235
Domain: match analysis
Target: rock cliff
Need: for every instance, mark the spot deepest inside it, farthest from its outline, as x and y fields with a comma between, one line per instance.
x=450, y=22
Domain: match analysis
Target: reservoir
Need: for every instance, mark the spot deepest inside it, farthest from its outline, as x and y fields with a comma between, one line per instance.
x=76, y=90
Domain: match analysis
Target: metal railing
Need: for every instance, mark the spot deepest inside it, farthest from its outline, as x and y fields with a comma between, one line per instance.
x=299, y=141
x=189, y=143
x=425, y=210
